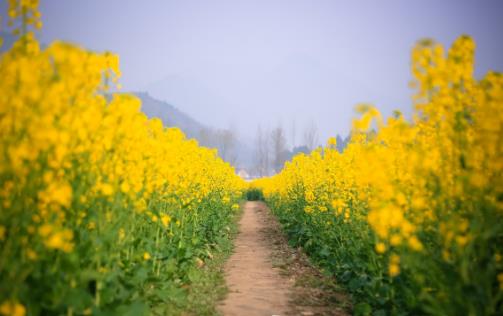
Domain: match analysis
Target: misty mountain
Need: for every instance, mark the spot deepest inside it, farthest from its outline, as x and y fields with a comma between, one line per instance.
x=199, y=98
x=230, y=147
x=170, y=115
x=297, y=88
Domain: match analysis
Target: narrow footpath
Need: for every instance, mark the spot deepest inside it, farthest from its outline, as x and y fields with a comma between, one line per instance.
x=266, y=277
x=255, y=287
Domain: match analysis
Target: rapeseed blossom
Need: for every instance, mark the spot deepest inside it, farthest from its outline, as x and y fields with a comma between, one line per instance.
x=411, y=198
x=88, y=182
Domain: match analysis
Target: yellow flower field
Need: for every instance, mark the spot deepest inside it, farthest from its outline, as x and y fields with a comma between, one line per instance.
x=102, y=209
x=106, y=212
x=410, y=215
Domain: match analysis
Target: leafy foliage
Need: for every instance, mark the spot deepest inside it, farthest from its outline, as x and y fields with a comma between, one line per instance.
x=254, y=194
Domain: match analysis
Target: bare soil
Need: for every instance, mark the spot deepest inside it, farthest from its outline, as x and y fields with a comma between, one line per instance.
x=267, y=277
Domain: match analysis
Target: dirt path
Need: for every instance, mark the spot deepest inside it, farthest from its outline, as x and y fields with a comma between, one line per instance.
x=256, y=288
x=267, y=277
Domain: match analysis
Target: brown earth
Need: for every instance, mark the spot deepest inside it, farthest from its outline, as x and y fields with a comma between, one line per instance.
x=267, y=277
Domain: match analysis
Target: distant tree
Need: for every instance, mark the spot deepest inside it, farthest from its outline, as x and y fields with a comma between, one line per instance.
x=293, y=134
x=342, y=143
x=278, y=146
x=262, y=153
x=226, y=145
x=205, y=137
x=224, y=140
x=297, y=150
x=300, y=149
x=311, y=136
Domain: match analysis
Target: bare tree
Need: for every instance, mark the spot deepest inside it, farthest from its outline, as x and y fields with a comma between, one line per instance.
x=262, y=152
x=206, y=137
x=278, y=146
x=311, y=136
x=224, y=140
x=226, y=145
x=293, y=133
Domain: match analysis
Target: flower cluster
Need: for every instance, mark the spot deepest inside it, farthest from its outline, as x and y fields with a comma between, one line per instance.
x=99, y=204
x=418, y=200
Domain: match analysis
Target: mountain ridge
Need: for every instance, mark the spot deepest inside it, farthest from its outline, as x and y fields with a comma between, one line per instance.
x=229, y=146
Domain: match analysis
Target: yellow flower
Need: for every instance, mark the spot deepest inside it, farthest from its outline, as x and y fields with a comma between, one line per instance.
x=165, y=220
x=393, y=269
x=122, y=234
x=61, y=240
x=58, y=193
x=332, y=142
x=415, y=244
x=395, y=240
x=45, y=230
x=106, y=189
x=462, y=240
x=146, y=256
x=500, y=280
x=32, y=255
x=309, y=195
x=394, y=258
x=125, y=187
x=11, y=308
x=446, y=255
x=338, y=203
x=380, y=247
x=394, y=265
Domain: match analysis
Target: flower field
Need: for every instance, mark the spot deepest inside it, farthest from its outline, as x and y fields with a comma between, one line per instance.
x=106, y=212
x=410, y=216
x=103, y=211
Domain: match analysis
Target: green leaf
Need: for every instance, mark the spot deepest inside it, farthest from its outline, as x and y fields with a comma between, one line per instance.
x=362, y=309
x=134, y=309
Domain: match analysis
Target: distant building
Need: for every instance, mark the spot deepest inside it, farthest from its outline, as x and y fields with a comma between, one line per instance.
x=244, y=174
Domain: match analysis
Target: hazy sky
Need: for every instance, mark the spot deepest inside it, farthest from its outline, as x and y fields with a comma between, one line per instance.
x=241, y=63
